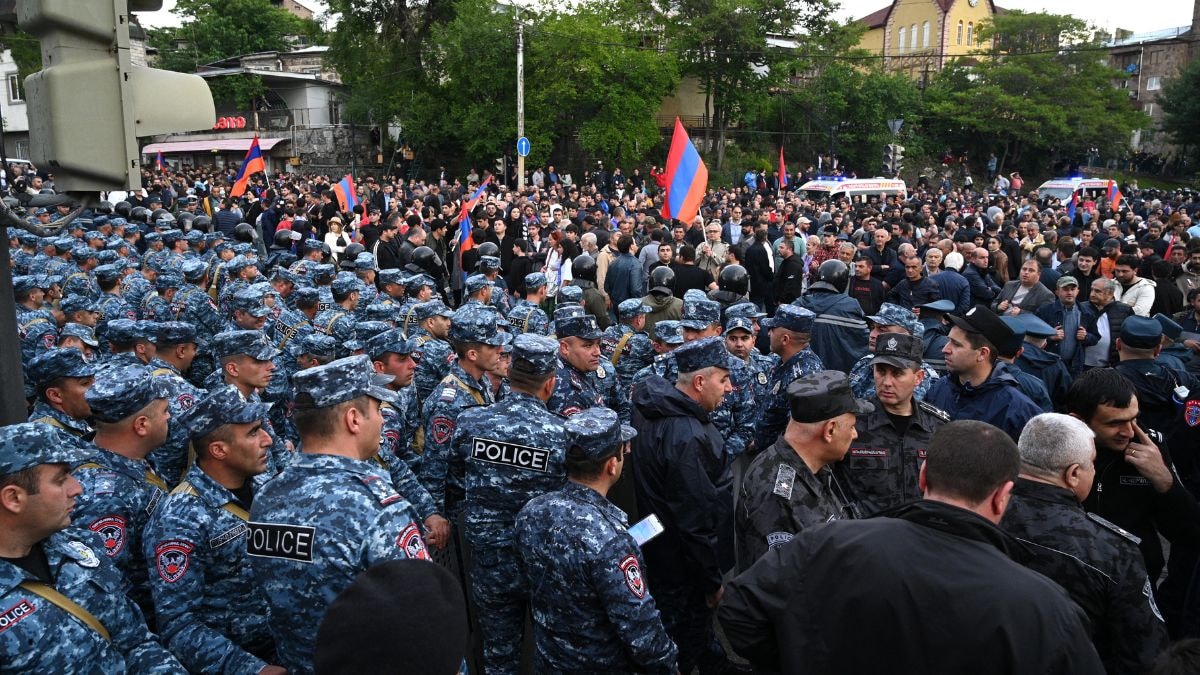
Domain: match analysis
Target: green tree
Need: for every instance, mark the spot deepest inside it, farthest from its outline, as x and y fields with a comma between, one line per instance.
x=1038, y=91
x=214, y=30
x=724, y=44
x=1181, y=109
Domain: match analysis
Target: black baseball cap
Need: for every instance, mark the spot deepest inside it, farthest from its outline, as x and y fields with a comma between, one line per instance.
x=983, y=321
x=823, y=396
x=899, y=350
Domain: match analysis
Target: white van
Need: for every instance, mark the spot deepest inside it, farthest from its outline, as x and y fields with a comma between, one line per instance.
x=858, y=190
x=1062, y=188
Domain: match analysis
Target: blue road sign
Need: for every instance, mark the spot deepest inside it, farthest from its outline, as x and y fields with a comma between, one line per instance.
x=523, y=146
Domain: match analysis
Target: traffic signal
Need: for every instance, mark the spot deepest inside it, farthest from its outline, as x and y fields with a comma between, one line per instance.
x=893, y=159
x=88, y=105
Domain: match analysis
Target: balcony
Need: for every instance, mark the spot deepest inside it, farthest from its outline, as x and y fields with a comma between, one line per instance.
x=272, y=120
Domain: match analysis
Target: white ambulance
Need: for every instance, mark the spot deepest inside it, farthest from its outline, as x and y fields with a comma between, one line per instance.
x=858, y=190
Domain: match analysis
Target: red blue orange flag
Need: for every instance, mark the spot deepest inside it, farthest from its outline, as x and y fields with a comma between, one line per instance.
x=1071, y=206
x=783, y=181
x=347, y=195
x=465, y=241
x=687, y=178
x=1114, y=195
x=162, y=166
x=254, y=163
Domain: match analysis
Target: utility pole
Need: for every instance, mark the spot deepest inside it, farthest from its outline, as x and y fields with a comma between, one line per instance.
x=520, y=101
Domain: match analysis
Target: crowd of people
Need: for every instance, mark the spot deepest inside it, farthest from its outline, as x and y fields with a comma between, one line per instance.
x=270, y=434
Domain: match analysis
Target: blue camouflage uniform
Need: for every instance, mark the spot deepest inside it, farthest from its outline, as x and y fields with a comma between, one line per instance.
x=121, y=493
x=327, y=518
x=433, y=355
x=170, y=460
x=514, y=450
x=592, y=610
x=440, y=471
x=210, y=612
x=774, y=410
x=862, y=375
x=136, y=287
x=526, y=317
x=52, y=365
x=338, y=322
x=574, y=389
x=255, y=344
x=628, y=350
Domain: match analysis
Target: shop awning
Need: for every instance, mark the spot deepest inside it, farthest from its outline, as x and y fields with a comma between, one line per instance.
x=208, y=145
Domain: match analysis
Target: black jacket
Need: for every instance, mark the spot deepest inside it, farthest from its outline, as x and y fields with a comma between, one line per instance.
x=680, y=474
x=789, y=279
x=1098, y=564
x=931, y=589
x=387, y=254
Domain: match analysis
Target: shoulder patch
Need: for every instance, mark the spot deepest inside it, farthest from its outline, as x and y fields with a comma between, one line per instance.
x=777, y=539
x=412, y=544
x=633, y=576
x=934, y=410
x=112, y=530
x=785, y=477
x=1113, y=527
x=600, y=373
x=172, y=558
x=442, y=428
x=762, y=378
x=449, y=393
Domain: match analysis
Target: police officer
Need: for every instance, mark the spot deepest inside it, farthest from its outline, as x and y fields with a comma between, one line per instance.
x=1045, y=365
x=477, y=342
x=1096, y=561
x=36, y=327
x=65, y=610
x=980, y=386
x=892, y=319
x=431, y=329
x=514, y=451
x=1030, y=385
x=681, y=474
x=625, y=345
x=246, y=359
x=736, y=412
x=332, y=513
x=790, y=486
x=583, y=572
x=839, y=332
x=391, y=355
x=790, y=330
x=174, y=353
x=120, y=489
x=210, y=613
x=880, y=470
x=61, y=378
x=579, y=357
x=526, y=316
x=338, y=322
x=478, y=288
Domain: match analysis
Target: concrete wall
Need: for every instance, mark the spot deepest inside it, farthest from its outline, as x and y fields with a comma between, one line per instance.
x=687, y=101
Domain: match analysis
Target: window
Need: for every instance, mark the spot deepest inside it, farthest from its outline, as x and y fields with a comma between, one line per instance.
x=22, y=148
x=925, y=34
x=960, y=26
x=1156, y=56
x=1153, y=83
x=970, y=29
x=16, y=91
x=1148, y=109
x=912, y=38
x=900, y=39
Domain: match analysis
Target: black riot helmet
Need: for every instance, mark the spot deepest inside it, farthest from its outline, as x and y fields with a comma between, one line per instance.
x=139, y=214
x=244, y=232
x=202, y=223
x=122, y=209
x=734, y=279
x=283, y=239
x=488, y=248
x=425, y=258
x=662, y=280
x=584, y=267
x=832, y=275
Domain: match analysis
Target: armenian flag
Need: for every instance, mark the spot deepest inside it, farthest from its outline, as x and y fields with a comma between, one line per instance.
x=346, y=194
x=465, y=241
x=783, y=181
x=1071, y=207
x=687, y=178
x=254, y=163
x=1114, y=195
x=158, y=161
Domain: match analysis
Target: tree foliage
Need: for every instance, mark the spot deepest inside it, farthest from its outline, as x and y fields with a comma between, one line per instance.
x=214, y=30
x=1039, y=90
x=1181, y=109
